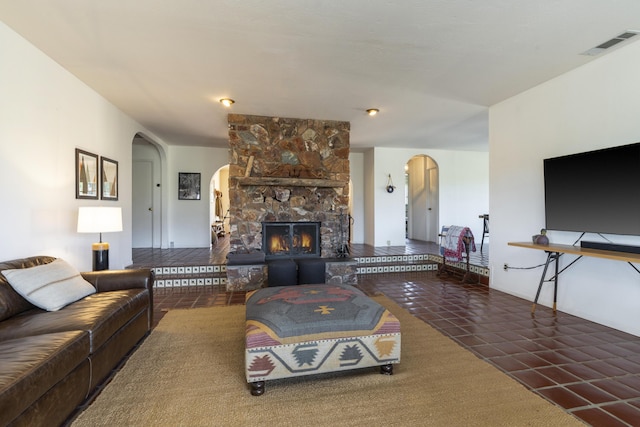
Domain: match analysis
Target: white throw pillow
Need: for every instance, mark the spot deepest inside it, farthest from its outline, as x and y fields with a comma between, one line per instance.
x=49, y=286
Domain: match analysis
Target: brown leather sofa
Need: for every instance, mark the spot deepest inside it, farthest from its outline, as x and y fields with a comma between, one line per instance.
x=50, y=362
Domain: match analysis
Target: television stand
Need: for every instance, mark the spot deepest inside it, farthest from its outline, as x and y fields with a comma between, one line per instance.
x=554, y=252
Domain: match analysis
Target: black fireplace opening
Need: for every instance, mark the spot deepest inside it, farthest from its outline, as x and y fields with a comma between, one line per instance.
x=290, y=239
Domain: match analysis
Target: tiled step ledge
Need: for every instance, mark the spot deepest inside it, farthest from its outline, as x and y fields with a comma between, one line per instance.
x=407, y=263
x=377, y=269
x=397, y=259
x=189, y=269
x=216, y=275
x=396, y=263
x=190, y=281
x=198, y=275
x=462, y=266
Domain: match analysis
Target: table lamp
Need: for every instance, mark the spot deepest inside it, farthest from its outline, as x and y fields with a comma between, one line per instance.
x=99, y=220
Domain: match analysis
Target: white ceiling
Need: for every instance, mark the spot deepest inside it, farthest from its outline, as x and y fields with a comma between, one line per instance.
x=432, y=67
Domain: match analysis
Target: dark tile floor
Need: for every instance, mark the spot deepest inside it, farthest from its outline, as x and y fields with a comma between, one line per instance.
x=591, y=371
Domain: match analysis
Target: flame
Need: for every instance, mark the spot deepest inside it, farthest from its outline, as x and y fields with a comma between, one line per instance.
x=307, y=241
x=277, y=244
x=303, y=242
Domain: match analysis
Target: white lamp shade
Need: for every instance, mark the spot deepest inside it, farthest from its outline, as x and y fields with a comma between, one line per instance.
x=99, y=219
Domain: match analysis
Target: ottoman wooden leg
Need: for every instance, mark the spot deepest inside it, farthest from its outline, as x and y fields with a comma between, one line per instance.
x=257, y=388
x=387, y=369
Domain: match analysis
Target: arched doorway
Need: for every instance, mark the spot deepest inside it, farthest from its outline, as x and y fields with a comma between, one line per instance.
x=421, y=190
x=219, y=203
x=146, y=194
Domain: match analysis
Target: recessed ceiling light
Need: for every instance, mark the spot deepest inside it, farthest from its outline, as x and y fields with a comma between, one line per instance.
x=227, y=102
x=372, y=111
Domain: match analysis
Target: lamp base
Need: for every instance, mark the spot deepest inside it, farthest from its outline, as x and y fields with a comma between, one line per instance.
x=100, y=256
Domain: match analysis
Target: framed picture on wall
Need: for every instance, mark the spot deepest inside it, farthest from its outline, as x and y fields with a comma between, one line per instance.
x=188, y=186
x=109, y=181
x=86, y=175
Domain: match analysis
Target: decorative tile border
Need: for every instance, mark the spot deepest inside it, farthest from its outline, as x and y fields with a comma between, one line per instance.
x=397, y=268
x=396, y=258
x=200, y=281
x=410, y=263
x=183, y=276
x=216, y=275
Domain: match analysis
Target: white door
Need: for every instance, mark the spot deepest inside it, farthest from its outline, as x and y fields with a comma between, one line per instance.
x=418, y=197
x=432, y=201
x=142, y=192
x=423, y=199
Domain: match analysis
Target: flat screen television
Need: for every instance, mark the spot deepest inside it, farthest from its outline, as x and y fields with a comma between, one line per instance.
x=596, y=191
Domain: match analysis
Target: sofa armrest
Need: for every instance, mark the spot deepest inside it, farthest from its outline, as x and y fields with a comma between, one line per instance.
x=113, y=280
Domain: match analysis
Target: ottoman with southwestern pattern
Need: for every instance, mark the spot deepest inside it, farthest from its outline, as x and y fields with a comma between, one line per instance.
x=312, y=329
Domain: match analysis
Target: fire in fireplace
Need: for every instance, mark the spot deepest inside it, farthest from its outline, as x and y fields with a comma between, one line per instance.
x=290, y=239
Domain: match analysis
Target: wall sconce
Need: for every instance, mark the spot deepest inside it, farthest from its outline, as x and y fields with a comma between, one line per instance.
x=99, y=220
x=372, y=111
x=227, y=102
x=390, y=186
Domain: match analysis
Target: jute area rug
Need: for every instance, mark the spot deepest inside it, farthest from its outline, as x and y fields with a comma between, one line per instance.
x=190, y=372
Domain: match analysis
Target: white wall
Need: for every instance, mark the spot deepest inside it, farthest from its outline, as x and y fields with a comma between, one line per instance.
x=593, y=107
x=188, y=220
x=45, y=113
x=464, y=191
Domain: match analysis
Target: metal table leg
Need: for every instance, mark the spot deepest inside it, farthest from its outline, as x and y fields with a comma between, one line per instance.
x=551, y=256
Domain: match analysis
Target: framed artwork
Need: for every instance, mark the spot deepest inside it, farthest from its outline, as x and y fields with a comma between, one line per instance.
x=188, y=186
x=109, y=181
x=86, y=175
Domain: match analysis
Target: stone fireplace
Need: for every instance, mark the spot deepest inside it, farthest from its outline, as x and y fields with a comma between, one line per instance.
x=288, y=171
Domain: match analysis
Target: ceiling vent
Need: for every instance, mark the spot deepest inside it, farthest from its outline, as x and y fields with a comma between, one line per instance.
x=610, y=43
